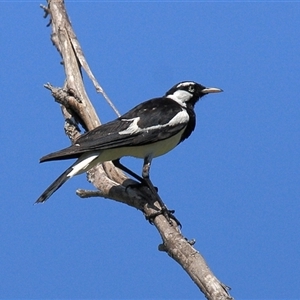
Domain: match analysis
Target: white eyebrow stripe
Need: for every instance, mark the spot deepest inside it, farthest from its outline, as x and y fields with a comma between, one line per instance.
x=179, y=118
x=185, y=83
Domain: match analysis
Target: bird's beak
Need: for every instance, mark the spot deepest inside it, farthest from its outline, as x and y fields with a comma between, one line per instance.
x=211, y=90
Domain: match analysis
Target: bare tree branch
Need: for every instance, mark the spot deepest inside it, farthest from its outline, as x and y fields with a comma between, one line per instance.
x=85, y=66
x=110, y=182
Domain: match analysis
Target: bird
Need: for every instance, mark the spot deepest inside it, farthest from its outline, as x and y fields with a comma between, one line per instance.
x=148, y=130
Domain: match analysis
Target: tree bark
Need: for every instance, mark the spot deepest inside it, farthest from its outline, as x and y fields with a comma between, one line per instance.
x=110, y=182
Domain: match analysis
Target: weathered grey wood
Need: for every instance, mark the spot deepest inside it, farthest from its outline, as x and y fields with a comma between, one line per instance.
x=110, y=182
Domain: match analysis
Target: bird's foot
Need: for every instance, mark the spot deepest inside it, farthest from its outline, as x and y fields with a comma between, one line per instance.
x=168, y=214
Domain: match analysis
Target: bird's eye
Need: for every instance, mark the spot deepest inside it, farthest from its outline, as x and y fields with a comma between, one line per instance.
x=191, y=89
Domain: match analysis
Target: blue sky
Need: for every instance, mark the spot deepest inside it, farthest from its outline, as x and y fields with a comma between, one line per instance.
x=234, y=184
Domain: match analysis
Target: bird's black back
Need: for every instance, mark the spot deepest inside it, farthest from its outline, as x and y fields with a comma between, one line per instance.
x=154, y=112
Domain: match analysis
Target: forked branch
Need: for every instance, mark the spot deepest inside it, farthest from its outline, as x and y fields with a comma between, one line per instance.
x=110, y=182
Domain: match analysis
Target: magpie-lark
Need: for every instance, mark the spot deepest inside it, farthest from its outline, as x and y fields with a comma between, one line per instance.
x=150, y=129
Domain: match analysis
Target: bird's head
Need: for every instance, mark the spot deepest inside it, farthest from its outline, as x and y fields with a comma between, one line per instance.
x=189, y=92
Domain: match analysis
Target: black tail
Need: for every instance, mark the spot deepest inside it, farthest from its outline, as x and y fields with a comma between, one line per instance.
x=54, y=186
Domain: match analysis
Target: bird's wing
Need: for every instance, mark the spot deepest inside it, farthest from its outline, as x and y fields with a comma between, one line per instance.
x=146, y=123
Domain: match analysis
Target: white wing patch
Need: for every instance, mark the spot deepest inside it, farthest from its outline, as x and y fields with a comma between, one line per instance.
x=179, y=118
x=133, y=127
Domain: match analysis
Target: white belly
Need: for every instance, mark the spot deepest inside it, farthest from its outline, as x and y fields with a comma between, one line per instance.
x=90, y=159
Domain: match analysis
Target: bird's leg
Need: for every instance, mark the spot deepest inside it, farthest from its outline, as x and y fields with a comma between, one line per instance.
x=118, y=164
x=148, y=182
x=145, y=180
x=164, y=210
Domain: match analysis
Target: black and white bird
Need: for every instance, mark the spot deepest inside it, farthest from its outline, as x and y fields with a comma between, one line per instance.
x=150, y=129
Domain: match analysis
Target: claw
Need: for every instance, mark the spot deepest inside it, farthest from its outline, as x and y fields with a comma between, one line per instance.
x=168, y=214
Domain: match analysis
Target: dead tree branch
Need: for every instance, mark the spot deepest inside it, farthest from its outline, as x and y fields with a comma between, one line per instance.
x=110, y=182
